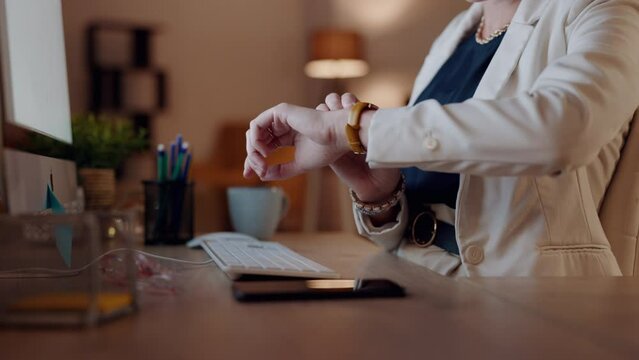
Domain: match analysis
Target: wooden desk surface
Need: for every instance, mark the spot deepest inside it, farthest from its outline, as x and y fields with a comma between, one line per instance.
x=440, y=319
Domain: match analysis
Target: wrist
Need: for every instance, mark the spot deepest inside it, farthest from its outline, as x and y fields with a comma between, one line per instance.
x=379, y=207
x=382, y=190
x=338, y=129
x=365, y=124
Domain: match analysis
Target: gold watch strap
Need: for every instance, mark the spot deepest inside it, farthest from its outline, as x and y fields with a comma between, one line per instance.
x=352, y=126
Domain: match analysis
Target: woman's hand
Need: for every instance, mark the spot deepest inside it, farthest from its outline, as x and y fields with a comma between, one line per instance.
x=370, y=185
x=318, y=138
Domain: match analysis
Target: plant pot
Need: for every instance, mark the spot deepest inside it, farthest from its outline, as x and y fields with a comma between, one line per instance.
x=99, y=188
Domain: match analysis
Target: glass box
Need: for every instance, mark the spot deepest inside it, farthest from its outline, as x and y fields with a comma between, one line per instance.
x=74, y=270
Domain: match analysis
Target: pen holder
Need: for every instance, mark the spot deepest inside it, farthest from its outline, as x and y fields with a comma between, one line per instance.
x=168, y=212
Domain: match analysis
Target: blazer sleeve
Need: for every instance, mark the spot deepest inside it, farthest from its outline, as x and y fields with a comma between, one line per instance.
x=579, y=103
x=389, y=235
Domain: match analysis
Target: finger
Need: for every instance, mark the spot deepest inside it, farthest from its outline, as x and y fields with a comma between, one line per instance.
x=260, y=134
x=257, y=163
x=333, y=101
x=322, y=107
x=270, y=129
x=348, y=100
x=267, y=146
x=258, y=138
x=248, y=171
x=249, y=147
x=281, y=171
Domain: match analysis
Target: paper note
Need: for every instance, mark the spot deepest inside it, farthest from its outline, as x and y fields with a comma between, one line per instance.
x=107, y=302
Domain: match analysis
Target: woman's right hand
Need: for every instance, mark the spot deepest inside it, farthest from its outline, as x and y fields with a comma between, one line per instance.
x=370, y=185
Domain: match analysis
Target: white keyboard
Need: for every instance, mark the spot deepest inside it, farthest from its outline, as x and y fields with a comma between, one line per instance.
x=238, y=254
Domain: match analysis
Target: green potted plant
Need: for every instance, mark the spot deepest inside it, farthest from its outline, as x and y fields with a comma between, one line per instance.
x=100, y=145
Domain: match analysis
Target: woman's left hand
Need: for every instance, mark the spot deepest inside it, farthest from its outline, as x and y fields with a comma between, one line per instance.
x=317, y=136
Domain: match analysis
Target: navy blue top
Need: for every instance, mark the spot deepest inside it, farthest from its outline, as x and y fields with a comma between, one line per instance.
x=455, y=82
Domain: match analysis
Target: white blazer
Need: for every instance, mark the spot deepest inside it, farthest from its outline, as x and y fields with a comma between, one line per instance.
x=536, y=146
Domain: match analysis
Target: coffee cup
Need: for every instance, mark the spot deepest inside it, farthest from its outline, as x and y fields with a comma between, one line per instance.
x=256, y=211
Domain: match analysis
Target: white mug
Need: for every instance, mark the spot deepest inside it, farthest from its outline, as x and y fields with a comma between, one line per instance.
x=256, y=211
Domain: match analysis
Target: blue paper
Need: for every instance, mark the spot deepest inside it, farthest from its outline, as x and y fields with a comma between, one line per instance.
x=52, y=202
x=64, y=242
x=63, y=233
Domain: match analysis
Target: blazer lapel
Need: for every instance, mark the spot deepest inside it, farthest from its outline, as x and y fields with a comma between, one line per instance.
x=507, y=56
x=439, y=56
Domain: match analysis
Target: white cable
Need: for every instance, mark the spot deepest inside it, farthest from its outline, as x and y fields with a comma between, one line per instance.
x=197, y=263
x=48, y=272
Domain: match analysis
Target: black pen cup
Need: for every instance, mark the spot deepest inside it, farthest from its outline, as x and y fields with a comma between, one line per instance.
x=168, y=212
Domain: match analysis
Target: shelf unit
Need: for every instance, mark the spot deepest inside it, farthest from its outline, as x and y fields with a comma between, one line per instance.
x=123, y=78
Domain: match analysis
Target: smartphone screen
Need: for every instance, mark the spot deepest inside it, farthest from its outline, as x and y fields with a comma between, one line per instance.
x=315, y=289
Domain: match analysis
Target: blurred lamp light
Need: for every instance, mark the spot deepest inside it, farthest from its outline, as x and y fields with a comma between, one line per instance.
x=336, y=54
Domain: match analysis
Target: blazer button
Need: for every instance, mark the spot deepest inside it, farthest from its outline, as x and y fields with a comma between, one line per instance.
x=473, y=255
x=431, y=143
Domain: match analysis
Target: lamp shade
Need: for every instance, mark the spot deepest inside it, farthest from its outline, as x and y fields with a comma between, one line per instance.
x=336, y=54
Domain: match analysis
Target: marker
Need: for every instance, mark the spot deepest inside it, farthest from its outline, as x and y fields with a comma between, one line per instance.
x=161, y=159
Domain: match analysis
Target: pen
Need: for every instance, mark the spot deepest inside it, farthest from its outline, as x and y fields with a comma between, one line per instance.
x=161, y=160
x=178, y=146
x=172, y=160
x=187, y=165
x=178, y=162
x=178, y=141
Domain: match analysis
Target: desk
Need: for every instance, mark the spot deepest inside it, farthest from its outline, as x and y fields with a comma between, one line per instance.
x=440, y=319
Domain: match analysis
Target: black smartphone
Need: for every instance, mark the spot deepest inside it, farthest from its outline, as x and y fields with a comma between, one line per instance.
x=315, y=289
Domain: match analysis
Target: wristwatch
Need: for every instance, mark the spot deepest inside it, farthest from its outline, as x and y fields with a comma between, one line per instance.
x=353, y=126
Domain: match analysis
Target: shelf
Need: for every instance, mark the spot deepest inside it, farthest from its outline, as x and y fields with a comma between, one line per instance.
x=124, y=81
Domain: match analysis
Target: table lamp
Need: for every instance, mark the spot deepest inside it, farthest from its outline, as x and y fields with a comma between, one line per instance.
x=336, y=54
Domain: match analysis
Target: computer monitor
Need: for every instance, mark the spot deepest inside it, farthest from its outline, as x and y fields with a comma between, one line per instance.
x=34, y=103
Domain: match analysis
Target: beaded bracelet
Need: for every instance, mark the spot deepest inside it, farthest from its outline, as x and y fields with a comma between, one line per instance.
x=372, y=209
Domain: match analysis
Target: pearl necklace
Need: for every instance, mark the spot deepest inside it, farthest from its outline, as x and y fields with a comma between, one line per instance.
x=497, y=33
